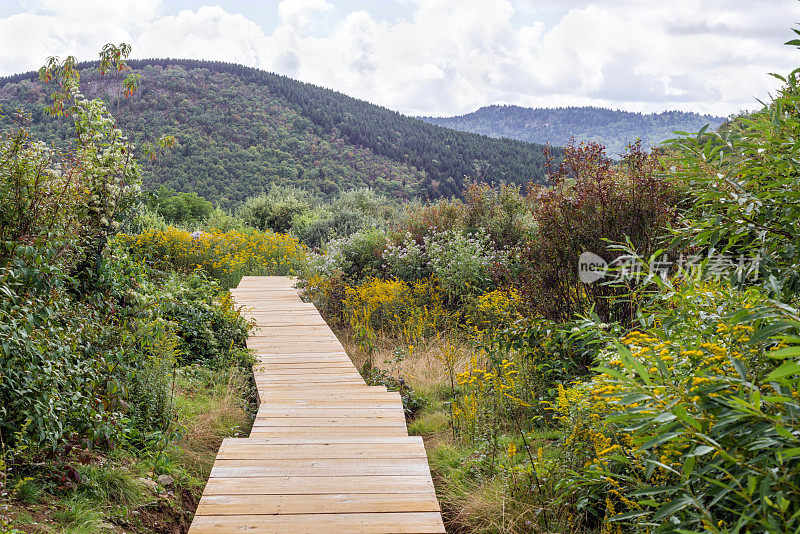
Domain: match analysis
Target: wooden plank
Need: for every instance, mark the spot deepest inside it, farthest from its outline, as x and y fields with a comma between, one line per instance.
x=272, y=346
x=293, y=332
x=283, y=308
x=327, y=368
x=330, y=440
x=291, y=313
x=293, y=368
x=294, y=340
x=337, y=404
x=270, y=398
x=322, y=348
x=355, y=523
x=275, y=385
x=295, y=345
x=267, y=410
x=296, y=485
x=286, y=311
x=360, y=394
x=300, y=390
x=287, y=364
x=355, y=397
x=321, y=357
x=271, y=387
x=282, y=371
x=300, y=432
x=290, y=360
x=338, y=366
x=296, y=363
x=251, y=449
x=301, y=374
x=319, y=467
x=296, y=329
x=258, y=311
x=264, y=326
x=302, y=380
x=319, y=422
x=300, y=377
x=337, y=503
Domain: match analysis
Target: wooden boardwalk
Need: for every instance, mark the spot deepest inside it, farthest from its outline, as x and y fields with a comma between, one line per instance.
x=327, y=453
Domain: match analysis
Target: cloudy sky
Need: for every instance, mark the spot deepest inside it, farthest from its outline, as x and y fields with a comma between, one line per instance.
x=445, y=57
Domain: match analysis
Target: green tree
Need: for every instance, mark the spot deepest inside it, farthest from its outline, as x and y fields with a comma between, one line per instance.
x=110, y=172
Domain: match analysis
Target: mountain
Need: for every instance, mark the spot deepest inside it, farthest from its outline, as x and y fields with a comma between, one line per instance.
x=240, y=129
x=557, y=126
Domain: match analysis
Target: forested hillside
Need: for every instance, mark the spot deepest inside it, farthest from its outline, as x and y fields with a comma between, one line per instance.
x=557, y=126
x=240, y=129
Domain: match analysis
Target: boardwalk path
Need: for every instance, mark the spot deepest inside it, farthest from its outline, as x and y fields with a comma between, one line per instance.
x=327, y=453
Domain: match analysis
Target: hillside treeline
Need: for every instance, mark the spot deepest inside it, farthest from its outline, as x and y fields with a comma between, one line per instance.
x=558, y=126
x=240, y=129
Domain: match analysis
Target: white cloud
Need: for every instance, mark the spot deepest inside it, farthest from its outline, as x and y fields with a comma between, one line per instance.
x=97, y=11
x=449, y=56
x=300, y=13
x=208, y=33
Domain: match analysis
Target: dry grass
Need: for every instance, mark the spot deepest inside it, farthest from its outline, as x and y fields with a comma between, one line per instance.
x=217, y=413
x=425, y=367
x=488, y=507
x=469, y=504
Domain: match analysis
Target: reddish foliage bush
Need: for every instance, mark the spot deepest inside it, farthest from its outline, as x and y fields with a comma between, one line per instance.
x=591, y=200
x=425, y=220
x=501, y=212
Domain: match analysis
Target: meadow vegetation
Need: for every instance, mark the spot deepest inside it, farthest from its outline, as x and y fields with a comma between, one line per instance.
x=661, y=399
x=118, y=378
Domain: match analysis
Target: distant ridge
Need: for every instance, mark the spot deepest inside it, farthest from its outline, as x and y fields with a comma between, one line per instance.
x=239, y=129
x=556, y=126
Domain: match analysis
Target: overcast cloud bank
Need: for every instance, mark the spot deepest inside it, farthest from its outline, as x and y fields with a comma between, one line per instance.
x=448, y=57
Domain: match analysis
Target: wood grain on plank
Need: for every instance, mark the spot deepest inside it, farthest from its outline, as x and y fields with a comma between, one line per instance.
x=332, y=503
x=296, y=485
x=395, y=523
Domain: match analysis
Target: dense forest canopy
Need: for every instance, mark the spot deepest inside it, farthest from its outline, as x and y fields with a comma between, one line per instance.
x=240, y=129
x=557, y=126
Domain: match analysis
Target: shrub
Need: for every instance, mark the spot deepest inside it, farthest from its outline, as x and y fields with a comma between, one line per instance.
x=690, y=423
x=209, y=326
x=344, y=261
x=276, y=209
x=516, y=369
x=410, y=312
x=462, y=263
x=48, y=387
x=316, y=228
x=742, y=186
x=36, y=200
x=503, y=213
x=179, y=208
x=406, y=259
x=491, y=312
x=221, y=221
x=424, y=220
x=592, y=202
x=356, y=257
x=364, y=201
x=224, y=256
